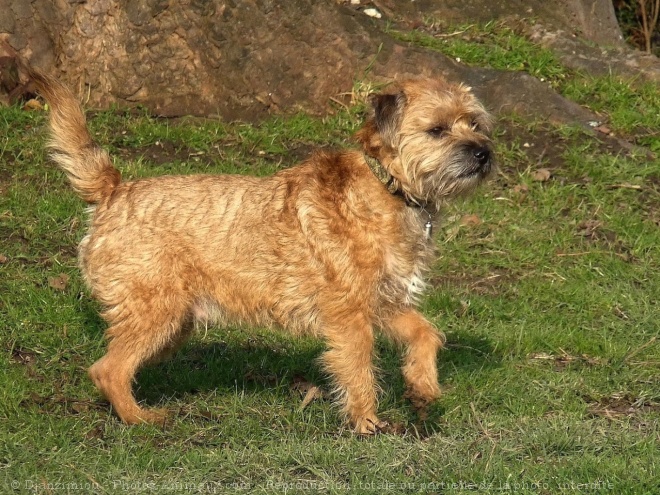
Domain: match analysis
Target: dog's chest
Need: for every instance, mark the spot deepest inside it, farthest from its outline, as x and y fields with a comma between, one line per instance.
x=403, y=281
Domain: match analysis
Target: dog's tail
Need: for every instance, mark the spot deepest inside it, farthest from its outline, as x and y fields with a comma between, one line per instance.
x=87, y=165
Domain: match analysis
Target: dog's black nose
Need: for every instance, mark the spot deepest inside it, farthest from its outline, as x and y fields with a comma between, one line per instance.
x=482, y=155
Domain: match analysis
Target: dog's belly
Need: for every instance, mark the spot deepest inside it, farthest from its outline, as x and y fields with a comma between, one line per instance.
x=275, y=302
x=299, y=319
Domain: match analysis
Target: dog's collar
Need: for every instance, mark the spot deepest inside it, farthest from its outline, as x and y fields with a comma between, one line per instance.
x=381, y=173
x=391, y=183
x=394, y=188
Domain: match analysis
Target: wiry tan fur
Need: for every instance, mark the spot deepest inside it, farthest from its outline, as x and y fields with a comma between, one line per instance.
x=322, y=248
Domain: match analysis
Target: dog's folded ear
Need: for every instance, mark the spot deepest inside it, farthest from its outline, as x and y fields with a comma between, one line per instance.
x=388, y=109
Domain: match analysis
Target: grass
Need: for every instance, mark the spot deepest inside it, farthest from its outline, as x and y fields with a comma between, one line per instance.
x=492, y=45
x=546, y=289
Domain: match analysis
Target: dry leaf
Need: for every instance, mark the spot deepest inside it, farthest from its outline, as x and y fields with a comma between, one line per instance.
x=603, y=129
x=462, y=311
x=301, y=385
x=80, y=407
x=564, y=359
x=589, y=228
x=521, y=189
x=3, y=259
x=96, y=433
x=60, y=282
x=541, y=355
x=23, y=356
x=625, y=185
x=33, y=105
x=312, y=394
x=620, y=405
x=470, y=220
x=452, y=233
x=619, y=312
x=308, y=389
x=541, y=175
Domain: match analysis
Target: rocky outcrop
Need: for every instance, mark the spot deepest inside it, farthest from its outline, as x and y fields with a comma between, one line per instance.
x=242, y=59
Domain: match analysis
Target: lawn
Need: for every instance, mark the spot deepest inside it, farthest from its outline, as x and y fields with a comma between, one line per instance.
x=546, y=285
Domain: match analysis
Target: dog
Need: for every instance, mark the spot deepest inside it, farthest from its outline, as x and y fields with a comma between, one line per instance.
x=336, y=246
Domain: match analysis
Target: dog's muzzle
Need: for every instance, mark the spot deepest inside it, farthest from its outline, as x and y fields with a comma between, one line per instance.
x=478, y=161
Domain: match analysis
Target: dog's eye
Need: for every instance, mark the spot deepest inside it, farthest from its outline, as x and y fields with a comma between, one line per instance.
x=436, y=132
x=474, y=125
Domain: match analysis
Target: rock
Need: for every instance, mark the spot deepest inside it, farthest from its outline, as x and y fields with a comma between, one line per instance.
x=245, y=60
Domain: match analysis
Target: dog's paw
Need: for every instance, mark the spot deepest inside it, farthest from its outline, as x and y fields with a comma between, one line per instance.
x=383, y=428
x=151, y=416
x=370, y=426
x=421, y=402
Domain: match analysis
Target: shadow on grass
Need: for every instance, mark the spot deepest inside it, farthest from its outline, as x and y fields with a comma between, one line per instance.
x=247, y=365
x=464, y=355
x=263, y=366
x=92, y=323
x=466, y=352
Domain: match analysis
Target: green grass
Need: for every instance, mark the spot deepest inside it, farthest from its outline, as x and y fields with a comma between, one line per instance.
x=549, y=304
x=490, y=45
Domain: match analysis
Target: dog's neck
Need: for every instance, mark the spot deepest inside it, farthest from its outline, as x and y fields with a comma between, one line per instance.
x=393, y=186
x=383, y=175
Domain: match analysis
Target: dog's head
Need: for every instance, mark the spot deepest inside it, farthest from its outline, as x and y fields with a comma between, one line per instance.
x=432, y=137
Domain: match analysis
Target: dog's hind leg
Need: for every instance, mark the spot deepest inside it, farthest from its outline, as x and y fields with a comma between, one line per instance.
x=136, y=338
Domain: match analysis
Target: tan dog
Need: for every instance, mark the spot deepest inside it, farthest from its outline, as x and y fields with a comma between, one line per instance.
x=336, y=246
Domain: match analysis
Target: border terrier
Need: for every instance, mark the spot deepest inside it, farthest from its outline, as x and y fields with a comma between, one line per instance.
x=336, y=247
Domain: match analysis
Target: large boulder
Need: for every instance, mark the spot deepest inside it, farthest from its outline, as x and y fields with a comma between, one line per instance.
x=247, y=58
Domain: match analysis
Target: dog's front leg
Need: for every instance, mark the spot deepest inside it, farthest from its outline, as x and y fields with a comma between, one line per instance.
x=422, y=342
x=349, y=360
